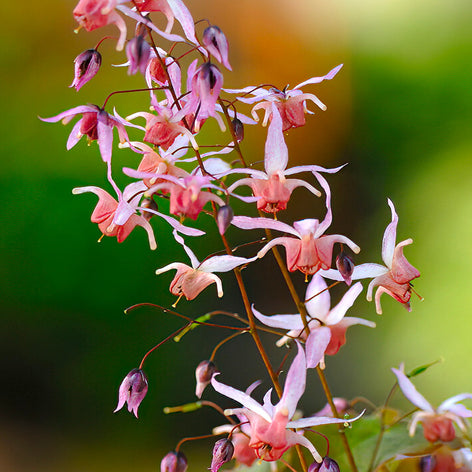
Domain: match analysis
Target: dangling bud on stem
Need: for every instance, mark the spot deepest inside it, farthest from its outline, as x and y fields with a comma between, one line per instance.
x=222, y=452
x=174, y=462
x=238, y=129
x=203, y=373
x=224, y=217
x=216, y=43
x=132, y=390
x=345, y=265
x=86, y=66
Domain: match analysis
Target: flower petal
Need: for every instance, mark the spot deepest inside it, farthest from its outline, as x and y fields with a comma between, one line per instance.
x=410, y=392
x=276, y=152
x=337, y=313
x=389, y=237
x=316, y=345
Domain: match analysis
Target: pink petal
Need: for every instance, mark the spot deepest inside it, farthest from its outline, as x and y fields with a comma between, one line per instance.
x=389, y=237
x=246, y=222
x=74, y=135
x=184, y=17
x=320, y=420
x=410, y=391
x=402, y=271
x=224, y=263
x=105, y=135
x=276, y=152
x=317, y=80
x=70, y=113
x=317, y=307
x=316, y=345
x=337, y=313
x=280, y=321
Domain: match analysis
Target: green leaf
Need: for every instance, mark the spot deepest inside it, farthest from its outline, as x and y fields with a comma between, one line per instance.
x=421, y=369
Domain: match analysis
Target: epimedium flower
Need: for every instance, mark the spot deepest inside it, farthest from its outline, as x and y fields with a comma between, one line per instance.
x=310, y=250
x=132, y=391
x=86, y=66
x=395, y=277
x=327, y=325
x=216, y=44
x=270, y=426
x=272, y=187
x=189, y=281
x=96, y=124
x=438, y=423
x=138, y=52
x=290, y=103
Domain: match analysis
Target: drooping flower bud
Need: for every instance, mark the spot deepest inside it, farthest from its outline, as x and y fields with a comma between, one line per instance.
x=138, y=52
x=238, y=129
x=427, y=463
x=327, y=465
x=223, y=451
x=203, y=373
x=132, y=390
x=216, y=44
x=206, y=85
x=86, y=66
x=224, y=217
x=345, y=265
x=150, y=203
x=174, y=462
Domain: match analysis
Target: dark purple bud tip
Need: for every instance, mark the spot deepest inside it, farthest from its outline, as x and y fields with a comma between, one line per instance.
x=132, y=391
x=149, y=202
x=238, y=129
x=86, y=66
x=427, y=463
x=224, y=217
x=203, y=373
x=223, y=451
x=327, y=465
x=174, y=462
x=345, y=265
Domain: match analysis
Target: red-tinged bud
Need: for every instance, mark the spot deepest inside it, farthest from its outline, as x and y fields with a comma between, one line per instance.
x=216, y=44
x=439, y=428
x=174, y=462
x=222, y=452
x=86, y=66
x=327, y=465
x=132, y=390
x=138, y=52
x=345, y=265
x=224, y=217
x=427, y=463
x=149, y=202
x=238, y=129
x=203, y=374
x=157, y=72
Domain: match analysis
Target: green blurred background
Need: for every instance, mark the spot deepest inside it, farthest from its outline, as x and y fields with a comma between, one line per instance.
x=399, y=112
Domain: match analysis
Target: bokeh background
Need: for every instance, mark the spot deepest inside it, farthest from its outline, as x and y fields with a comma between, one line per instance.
x=399, y=112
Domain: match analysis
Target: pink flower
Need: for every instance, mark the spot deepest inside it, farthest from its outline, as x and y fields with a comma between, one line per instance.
x=270, y=426
x=272, y=187
x=290, y=103
x=96, y=124
x=309, y=251
x=189, y=281
x=394, y=278
x=327, y=325
x=93, y=14
x=132, y=390
x=437, y=422
x=216, y=44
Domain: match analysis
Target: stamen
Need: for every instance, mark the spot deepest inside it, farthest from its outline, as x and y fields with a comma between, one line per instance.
x=100, y=238
x=177, y=301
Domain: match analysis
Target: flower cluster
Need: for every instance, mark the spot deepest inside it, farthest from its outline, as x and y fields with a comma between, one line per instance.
x=177, y=182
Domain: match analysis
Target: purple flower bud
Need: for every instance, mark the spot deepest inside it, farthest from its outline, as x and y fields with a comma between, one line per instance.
x=224, y=217
x=132, y=390
x=206, y=85
x=345, y=265
x=223, y=451
x=174, y=462
x=427, y=463
x=150, y=203
x=203, y=373
x=238, y=129
x=86, y=66
x=216, y=43
x=327, y=465
x=138, y=52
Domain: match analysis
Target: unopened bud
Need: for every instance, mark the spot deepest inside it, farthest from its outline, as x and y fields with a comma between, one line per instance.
x=216, y=43
x=345, y=265
x=132, y=390
x=327, y=465
x=86, y=66
x=203, y=374
x=238, y=129
x=427, y=463
x=223, y=451
x=138, y=52
x=148, y=202
x=174, y=462
x=157, y=72
x=224, y=217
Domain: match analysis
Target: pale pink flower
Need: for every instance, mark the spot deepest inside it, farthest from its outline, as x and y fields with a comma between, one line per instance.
x=189, y=281
x=216, y=44
x=270, y=425
x=438, y=423
x=86, y=66
x=132, y=391
x=272, y=187
x=394, y=278
x=327, y=325
x=290, y=103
